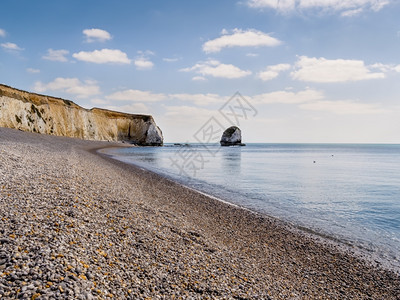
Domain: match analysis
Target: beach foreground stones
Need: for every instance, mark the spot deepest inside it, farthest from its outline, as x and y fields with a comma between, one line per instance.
x=232, y=137
x=78, y=225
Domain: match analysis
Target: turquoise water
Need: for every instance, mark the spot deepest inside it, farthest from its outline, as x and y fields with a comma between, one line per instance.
x=350, y=192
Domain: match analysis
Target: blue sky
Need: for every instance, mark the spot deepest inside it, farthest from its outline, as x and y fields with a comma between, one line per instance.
x=315, y=70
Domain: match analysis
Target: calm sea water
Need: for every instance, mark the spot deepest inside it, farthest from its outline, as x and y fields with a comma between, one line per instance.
x=350, y=192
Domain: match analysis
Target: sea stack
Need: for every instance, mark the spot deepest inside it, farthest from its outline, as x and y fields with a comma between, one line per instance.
x=232, y=137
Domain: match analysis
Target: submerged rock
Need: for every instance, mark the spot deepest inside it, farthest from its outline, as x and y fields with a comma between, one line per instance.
x=232, y=137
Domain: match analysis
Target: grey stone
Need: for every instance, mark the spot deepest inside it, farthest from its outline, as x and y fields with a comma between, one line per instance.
x=88, y=296
x=232, y=137
x=5, y=241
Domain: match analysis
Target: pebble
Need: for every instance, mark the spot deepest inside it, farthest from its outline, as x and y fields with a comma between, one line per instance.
x=74, y=225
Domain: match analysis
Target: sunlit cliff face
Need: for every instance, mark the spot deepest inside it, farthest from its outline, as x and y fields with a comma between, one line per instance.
x=49, y=115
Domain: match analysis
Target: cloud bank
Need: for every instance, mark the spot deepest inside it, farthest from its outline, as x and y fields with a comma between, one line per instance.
x=11, y=47
x=103, y=56
x=96, y=35
x=240, y=38
x=216, y=69
x=136, y=95
x=71, y=86
x=272, y=72
x=56, y=55
x=346, y=7
x=323, y=70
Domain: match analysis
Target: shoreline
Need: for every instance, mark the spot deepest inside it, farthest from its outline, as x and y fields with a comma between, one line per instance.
x=342, y=243
x=344, y=246
x=104, y=153
x=88, y=226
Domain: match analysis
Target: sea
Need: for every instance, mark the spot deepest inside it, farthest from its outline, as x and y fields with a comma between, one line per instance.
x=347, y=192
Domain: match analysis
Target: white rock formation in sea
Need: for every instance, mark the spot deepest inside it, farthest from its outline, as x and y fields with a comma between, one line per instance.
x=232, y=137
x=49, y=115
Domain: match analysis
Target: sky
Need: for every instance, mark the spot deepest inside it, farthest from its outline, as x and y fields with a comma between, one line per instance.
x=308, y=71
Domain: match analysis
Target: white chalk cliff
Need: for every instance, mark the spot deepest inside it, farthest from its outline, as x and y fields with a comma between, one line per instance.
x=49, y=115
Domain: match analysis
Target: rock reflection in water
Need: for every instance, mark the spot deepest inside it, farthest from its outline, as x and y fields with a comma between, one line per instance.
x=231, y=159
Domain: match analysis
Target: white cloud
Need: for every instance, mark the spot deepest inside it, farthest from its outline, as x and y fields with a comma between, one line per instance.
x=146, y=53
x=381, y=67
x=143, y=63
x=2, y=33
x=275, y=4
x=32, y=71
x=385, y=67
x=272, y=72
x=11, y=47
x=166, y=59
x=338, y=70
x=352, y=12
x=315, y=100
x=199, y=99
x=96, y=35
x=285, y=97
x=189, y=113
x=136, y=95
x=240, y=38
x=224, y=31
x=69, y=85
x=343, y=107
x=216, y=69
x=343, y=4
x=98, y=101
x=148, y=96
x=199, y=78
x=56, y=55
x=133, y=108
x=103, y=56
x=346, y=7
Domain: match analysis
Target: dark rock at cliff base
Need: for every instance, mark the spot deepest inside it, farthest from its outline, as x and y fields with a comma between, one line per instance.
x=232, y=137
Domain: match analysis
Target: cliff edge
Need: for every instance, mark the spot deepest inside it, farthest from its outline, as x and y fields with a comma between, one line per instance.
x=49, y=115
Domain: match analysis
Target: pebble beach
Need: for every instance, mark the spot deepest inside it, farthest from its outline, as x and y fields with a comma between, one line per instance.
x=76, y=224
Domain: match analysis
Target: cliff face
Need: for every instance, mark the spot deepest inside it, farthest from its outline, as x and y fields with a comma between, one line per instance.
x=49, y=115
